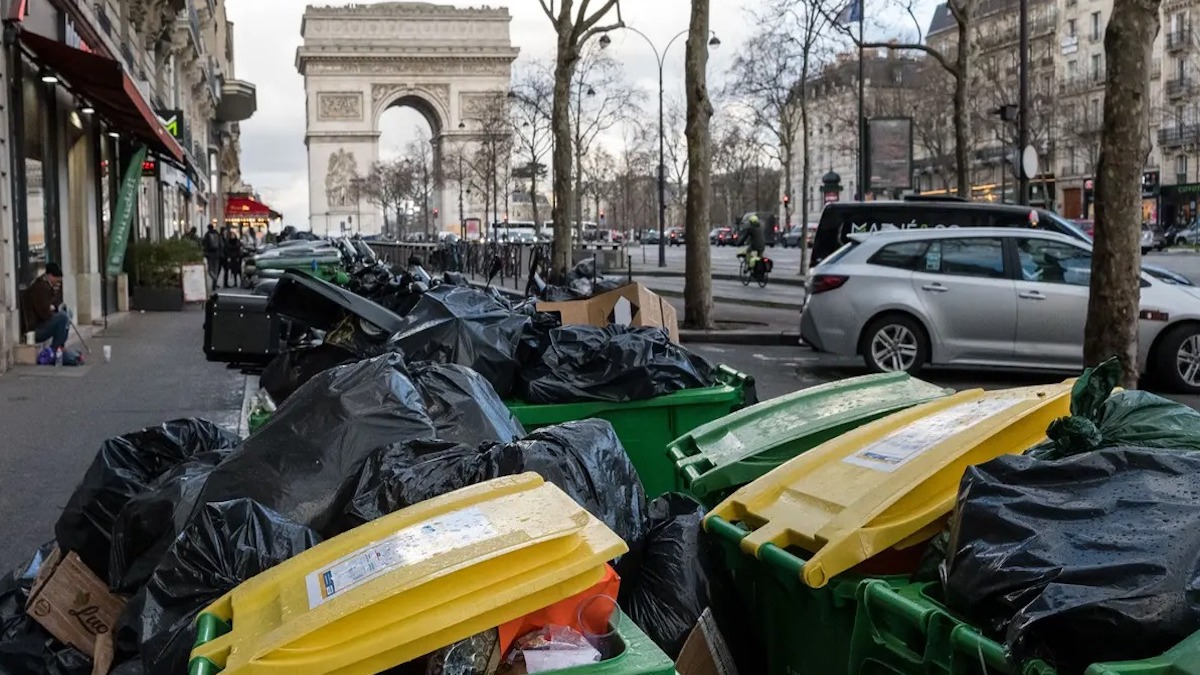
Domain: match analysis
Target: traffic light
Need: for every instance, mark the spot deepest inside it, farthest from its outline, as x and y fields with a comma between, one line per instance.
x=435, y=213
x=786, y=199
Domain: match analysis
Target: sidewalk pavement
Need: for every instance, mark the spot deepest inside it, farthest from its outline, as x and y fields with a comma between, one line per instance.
x=774, y=296
x=54, y=419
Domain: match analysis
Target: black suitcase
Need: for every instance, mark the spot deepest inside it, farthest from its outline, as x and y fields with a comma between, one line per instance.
x=238, y=329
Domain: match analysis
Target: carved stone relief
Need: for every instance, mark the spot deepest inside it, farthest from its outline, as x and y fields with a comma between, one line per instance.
x=346, y=106
x=498, y=67
x=342, y=170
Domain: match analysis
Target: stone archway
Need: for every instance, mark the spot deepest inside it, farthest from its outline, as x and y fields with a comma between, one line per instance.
x=360, y=60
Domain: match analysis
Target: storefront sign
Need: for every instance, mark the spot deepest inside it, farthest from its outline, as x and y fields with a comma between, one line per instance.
x=119, y=239
x=149, y=168
x=172, y=121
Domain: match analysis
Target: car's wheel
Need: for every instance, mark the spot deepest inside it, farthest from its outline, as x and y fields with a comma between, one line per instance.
x=894, y=343
x=1177, y=359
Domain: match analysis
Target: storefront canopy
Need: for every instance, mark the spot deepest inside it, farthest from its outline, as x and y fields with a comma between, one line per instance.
x=103, y=82
x=248, y=209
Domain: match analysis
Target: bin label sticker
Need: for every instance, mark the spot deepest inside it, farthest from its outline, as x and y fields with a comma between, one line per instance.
x=409, y=546
x=903, y=445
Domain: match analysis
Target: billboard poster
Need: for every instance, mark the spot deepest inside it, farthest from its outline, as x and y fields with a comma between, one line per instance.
x=889, y=153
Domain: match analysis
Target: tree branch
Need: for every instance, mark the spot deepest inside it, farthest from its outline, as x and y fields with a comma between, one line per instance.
x=549, y=12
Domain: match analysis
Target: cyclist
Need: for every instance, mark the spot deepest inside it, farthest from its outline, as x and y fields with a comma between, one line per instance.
x=755, y=242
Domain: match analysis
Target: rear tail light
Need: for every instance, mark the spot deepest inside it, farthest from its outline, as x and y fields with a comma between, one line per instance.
x=828, y=282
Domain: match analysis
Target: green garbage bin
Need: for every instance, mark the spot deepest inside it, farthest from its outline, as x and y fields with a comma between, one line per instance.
x=905, y=630
x=727, y=453
x=646, y=427
x=636, y=654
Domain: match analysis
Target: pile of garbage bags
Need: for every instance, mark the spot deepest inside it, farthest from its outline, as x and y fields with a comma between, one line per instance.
x=1086, y=548
x=175, y=516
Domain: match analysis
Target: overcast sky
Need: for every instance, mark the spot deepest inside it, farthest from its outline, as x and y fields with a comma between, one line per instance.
x=267, y=33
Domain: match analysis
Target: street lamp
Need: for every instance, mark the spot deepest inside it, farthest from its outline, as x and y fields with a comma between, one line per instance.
x=713, y=43
x=462, y=220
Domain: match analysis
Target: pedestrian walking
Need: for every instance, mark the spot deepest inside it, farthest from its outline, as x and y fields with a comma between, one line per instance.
x=213, y=253
x=233, y=258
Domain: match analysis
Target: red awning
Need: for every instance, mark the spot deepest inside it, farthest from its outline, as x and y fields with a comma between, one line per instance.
x=103, y=82
x=245, y=207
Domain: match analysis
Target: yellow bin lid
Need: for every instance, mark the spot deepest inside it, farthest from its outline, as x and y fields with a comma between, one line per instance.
x=888, y=483
x=412, y=582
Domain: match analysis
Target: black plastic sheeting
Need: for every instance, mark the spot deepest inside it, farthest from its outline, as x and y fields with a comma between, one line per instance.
x=25, y=647
x=138, y=533
x=452, y=324
x=1132, y=418
x=304, y=461
x=228, y=543
x=664, y=588
x=463, y=405
x=288, y=371
x=125, y=467
x=1089, y=559
x=584, y=459
x=613, y=363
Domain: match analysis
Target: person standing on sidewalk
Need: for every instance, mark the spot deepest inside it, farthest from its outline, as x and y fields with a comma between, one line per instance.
x=44, y=313
x=233, y=257
x=213, y=252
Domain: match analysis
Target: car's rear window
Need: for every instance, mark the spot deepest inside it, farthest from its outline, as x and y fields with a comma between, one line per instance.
x=909, y=255
x=838, y=254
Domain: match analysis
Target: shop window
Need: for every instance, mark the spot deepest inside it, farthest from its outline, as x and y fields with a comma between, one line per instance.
x=39, y=244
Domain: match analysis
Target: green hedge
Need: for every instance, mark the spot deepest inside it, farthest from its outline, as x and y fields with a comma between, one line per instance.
x=156, y=264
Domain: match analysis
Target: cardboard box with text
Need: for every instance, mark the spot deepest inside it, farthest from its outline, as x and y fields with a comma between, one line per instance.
x=71, y=602
x=632, y=305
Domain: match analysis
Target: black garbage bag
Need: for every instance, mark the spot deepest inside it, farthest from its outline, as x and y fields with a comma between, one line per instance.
x=664, y=588
x=25, y=647
x=226, y=544
x=124, y=467
x=613, y=363
x=292, y=368
x=1103, y=419
x=463, y=405
x=583, y=458
x=304, y=462
x=138, y=532
x=452, y=324
x=1088, y=559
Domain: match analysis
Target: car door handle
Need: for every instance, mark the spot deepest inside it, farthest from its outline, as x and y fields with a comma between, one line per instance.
x=935, y=287
x=1031, y=295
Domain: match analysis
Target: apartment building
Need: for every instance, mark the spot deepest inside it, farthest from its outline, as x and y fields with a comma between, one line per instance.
x=102, y=95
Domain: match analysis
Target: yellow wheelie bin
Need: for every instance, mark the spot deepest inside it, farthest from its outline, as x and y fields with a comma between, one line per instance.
x=800, y=539
x=411, y=583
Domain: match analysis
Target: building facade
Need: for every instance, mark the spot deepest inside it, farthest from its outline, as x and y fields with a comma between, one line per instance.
x=88, y=86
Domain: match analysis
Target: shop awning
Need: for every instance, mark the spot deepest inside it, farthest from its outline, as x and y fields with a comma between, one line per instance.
x=248, y=208
x=103, y=82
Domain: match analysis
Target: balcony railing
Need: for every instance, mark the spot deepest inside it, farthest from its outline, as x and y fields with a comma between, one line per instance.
x=1081, y=83
x=1177, y=135
x=1179, y=39
x=1179, y=86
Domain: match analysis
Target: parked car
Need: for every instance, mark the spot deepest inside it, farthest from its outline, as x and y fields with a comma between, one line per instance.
x=986, y=297
x=676, y=237
x=1152, y=239
x=1186, y=236
x=791, y=239
x=725, y=237
x=650, y=237
x=712, y=235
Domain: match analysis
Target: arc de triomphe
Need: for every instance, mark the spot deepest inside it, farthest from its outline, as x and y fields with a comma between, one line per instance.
x=359, y=60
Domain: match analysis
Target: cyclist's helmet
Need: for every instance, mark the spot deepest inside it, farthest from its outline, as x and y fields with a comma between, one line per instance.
x=754, y=220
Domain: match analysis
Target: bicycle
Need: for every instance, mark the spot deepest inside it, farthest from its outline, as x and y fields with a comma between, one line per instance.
x=761, y=274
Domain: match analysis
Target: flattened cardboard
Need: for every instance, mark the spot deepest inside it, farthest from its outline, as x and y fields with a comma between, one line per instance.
x=632, y=305
x=70, y=602
x=705, y=652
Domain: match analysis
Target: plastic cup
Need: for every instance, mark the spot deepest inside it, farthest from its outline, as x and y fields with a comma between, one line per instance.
x=30, y=338
x=599, y=634
x=107, y=353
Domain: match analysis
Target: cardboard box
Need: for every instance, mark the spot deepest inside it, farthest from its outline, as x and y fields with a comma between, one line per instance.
x=632, y=305
x=70, y=602
x=705, y=652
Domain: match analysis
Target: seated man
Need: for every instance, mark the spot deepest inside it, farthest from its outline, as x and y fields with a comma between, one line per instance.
x=43, y=308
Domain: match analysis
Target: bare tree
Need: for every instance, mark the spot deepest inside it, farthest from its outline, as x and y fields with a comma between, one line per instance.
x=764, y=79
x=390, y=185
x=676, y=153
x=601, y=99
x=958, y=64
x=492, y=131
x=419, y=156
x=697, y=278
x=598, y=171
x=1112, y=322
x=532, y=133
x=573, y=28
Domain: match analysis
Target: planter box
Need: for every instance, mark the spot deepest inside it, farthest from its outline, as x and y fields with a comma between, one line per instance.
x=151, y=299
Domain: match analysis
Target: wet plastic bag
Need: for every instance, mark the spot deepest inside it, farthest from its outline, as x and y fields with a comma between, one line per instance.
x=1102, y=419
x=1088, y=559
x=124, y=467
x=292, y=368
x=305, y=461
x=452, y=324
x=584, y=459
x=138, y=532
x=228, y=543
x=664, y=588
x=613, y=363
x=463, y=405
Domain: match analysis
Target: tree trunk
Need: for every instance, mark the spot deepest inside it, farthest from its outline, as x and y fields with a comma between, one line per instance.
x=697, y=284
x=962, y=110
x=1112, y=321
x=560, y=120
x=805, y=170
x=533, y=198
